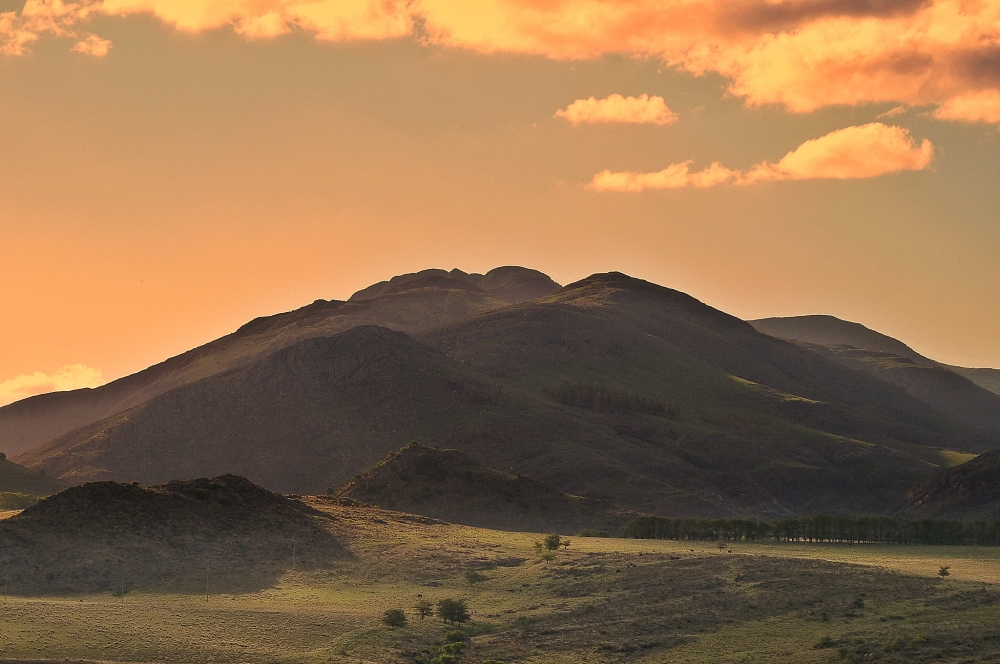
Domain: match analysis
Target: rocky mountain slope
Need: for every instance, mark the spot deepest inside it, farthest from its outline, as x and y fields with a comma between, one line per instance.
x=611, y=388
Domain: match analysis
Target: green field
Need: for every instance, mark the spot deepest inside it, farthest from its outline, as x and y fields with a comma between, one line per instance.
x=601, y=600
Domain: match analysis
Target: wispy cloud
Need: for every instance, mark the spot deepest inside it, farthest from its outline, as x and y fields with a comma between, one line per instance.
x=70, y=377
x=866, y=151
x=92, y=45
x=616, y=108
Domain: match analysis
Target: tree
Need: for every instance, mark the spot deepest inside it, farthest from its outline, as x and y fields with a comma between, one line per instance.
x=552, y=541
x=473, y=577
x=453, y=611
x=424, y=608
x=394, y=618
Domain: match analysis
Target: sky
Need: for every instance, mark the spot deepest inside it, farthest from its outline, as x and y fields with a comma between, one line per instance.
x=170, y=169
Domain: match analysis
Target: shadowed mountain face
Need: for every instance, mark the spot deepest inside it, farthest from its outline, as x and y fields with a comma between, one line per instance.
x=612, y=388
x=451, y=485
x=437, y=300
x=107, y=536
x=968, y=491
x=831, y=331
x=966, y=395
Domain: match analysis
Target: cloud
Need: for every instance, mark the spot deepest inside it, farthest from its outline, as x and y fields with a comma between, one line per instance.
x=892, y=112
x=855, y=152
x=983, y=106
x=92, y=45
x=798, y=54
x=674, y=176
x=70, y=377
x=635, y=110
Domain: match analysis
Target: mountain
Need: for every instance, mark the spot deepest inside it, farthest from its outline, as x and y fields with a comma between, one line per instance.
x=832, y=331
x=611, y=388
x=15, y=478
x=968, y=491
x=107, y=536
x=39, y=419
x=510, y=284
x=452, y=486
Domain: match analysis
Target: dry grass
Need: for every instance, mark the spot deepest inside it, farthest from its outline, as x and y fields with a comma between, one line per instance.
x=602, y=600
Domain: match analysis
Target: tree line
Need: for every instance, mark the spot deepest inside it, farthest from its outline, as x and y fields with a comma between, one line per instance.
x=822, y=528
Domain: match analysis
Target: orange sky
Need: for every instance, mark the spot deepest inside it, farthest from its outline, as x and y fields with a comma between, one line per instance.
x=170, y=170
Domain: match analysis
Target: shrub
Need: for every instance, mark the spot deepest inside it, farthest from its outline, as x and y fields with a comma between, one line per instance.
x=858, y=603
x=456, y=636
x=824, y=642
x=452, y=611
x=394, y=618
x=474, y=577
x=593, y=533
x=424, y=608
x=944, y=571
x=552, y=542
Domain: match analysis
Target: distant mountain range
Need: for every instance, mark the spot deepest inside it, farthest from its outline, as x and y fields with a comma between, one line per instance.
x=611, y=388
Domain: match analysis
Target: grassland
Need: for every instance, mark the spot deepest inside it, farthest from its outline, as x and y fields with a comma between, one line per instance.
x=601, y=600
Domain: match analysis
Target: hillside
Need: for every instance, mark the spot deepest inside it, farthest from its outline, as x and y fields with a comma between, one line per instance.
x=39, y=419
x=832, y=331
x=612, y=388
x=968, y=491
x=452, y=486
x=940, y=388
x=15, y=478
x=104, y=536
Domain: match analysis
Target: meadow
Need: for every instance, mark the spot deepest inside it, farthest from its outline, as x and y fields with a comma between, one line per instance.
x=599, y=600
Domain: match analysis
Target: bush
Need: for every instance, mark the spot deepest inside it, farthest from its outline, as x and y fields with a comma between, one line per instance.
x=593, y=533
x=824, y=642
x=456, y=636
x=424, y=608
x=452, y=611
x=552, y=542
x=944, y=571
x=394, y=618
x=474, y=577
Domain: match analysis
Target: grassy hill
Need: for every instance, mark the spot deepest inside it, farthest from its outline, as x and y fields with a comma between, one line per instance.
x=42, y=418
x=451, y=485
x=967, y=491
x=106, y=536
x=832, y=331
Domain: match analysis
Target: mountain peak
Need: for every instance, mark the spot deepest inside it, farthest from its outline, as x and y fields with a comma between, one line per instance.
x=509, y=283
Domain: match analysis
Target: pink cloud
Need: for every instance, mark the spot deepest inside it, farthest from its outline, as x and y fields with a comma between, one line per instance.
x=616, y=108
x=866, y=151
x=798, y=54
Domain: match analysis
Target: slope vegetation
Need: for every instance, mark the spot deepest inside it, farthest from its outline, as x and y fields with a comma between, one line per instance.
x=451, y=485
x=15, y=478
x=107, y=536
x=42, y=418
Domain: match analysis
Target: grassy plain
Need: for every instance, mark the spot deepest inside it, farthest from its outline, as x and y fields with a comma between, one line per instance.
x=601, y=600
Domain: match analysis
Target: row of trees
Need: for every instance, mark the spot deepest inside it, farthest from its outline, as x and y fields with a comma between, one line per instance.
x=822, y=528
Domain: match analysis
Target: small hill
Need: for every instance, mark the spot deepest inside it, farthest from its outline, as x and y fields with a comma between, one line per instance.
x=511, y=284
x=441, y=298
x=832, y=331
x=452, y=486
x=102, y=536
x=15, y=478
x=967, y=491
